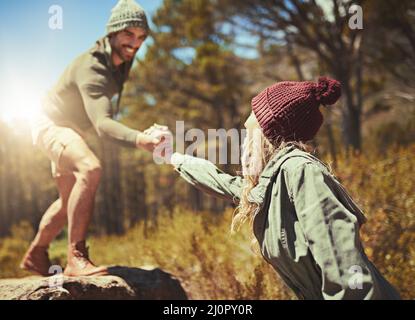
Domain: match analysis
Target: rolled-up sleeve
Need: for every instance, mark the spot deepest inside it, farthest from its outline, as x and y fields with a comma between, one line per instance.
x=332, y=233
x=205, y=176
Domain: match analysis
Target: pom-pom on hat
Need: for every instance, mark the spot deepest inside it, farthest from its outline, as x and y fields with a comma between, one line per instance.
x=289, y=110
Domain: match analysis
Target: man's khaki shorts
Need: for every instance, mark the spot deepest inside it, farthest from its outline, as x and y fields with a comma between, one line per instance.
x=52, y=140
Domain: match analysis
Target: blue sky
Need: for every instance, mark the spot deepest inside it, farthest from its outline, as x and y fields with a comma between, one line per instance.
x=32, y=56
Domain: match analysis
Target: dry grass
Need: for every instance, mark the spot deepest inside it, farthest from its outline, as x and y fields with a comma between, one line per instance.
x=198, y=249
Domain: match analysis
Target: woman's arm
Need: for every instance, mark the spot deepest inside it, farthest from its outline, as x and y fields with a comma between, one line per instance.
x=205, y=176
x=332, y=232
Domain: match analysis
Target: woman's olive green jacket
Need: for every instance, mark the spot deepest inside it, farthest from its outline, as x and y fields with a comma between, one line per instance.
x=307, y=225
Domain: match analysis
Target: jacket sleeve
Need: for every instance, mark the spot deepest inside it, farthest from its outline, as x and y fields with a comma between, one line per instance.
x=98, y=107
x=205, y=176
x=332, y=233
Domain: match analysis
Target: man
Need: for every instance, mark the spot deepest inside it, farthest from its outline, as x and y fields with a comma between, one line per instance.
x=81, y=100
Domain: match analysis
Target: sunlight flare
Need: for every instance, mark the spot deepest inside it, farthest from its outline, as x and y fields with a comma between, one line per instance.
x=22, y=101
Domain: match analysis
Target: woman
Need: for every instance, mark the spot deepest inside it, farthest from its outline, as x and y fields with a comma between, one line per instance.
x=306, y=224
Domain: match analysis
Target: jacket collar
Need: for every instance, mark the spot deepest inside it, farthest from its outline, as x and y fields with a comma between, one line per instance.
x=272, y=169
x=108, y=53
x=257, y=194
x=103, y=48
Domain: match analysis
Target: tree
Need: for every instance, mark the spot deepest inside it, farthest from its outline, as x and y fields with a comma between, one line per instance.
x=188, y=73
x=392, y=41
x=324, y=32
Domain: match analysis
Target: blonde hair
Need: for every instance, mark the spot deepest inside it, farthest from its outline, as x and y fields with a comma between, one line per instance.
x=265, y=151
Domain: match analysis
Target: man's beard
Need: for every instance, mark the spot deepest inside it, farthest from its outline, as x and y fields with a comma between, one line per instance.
x=119, y=52
x=252, y=154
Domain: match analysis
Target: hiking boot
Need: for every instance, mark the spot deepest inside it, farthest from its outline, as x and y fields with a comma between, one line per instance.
x=79, y=263
x=36, y=260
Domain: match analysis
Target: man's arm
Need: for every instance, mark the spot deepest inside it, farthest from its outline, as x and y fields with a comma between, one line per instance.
x=98, y=107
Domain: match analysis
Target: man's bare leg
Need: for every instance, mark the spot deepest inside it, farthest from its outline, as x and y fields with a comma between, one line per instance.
x=53, y=221
x=78, y=158
x=55, y=218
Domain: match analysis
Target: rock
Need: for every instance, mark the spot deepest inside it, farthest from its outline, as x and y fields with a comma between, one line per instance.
x=123, y=283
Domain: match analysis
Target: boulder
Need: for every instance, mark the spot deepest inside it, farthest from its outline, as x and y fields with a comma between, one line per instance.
x=123, y=283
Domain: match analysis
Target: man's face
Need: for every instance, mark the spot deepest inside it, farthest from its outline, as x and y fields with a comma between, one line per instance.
x=126, y=43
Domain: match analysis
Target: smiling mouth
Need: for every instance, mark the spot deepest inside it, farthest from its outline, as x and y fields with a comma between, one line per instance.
x=130, y=51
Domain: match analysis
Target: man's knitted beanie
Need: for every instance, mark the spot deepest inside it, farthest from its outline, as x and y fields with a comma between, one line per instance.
x=126, y=14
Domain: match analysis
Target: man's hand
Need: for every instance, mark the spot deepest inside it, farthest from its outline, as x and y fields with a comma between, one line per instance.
x=164, y=149
x=156, y=128
x=146, y=141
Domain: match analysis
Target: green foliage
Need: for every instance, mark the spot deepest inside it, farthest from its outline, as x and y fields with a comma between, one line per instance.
x=188, y=72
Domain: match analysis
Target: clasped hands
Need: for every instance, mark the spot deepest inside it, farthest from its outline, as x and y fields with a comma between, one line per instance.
x=157, y=139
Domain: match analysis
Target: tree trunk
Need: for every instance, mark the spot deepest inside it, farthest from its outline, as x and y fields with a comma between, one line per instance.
x=330, y=136
x=111, y=209
x=294, y=60
x=351, y=114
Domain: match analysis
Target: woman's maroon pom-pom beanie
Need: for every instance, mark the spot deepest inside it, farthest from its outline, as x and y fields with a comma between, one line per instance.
x=290, y=109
